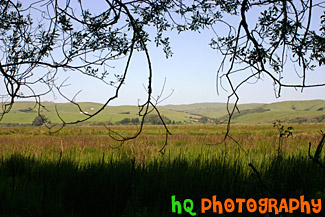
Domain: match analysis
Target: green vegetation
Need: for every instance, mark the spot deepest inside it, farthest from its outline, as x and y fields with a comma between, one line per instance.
x=81, y=172
x=39, y=120
x=287, y=112
x=211, y=110
x=69, y=112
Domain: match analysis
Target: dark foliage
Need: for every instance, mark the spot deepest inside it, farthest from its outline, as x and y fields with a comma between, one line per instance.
x=39, y=120
x=30, y=187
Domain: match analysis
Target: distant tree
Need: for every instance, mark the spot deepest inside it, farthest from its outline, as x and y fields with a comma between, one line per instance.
x=125, y=121
x=135, y=121
x=156, y=120
x=39, y=120
x=125, y=113
x=203, y=119
x=28, y=110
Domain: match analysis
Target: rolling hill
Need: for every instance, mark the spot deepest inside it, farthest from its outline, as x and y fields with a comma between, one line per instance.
x=211, y=110
x=25, y=112
x=288, y=111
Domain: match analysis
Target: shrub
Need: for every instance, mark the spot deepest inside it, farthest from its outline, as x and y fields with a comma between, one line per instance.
x=39, y=120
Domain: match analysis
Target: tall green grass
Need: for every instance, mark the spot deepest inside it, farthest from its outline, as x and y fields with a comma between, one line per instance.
x=78, y=172
x=31, y=187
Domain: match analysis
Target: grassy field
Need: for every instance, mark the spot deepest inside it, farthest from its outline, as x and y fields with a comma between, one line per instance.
x=211, y=110
x=24, y=113
x=81, y=171
x=289, y=112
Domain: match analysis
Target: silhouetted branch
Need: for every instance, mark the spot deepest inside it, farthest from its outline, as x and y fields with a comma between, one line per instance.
x=318, y=151
x=262, y=183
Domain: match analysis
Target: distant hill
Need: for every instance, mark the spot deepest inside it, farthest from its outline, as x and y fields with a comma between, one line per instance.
x=211, y=110
x=25, y=112
x=288, y=111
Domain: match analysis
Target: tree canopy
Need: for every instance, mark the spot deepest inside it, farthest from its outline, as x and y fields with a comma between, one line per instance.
x=40, y=38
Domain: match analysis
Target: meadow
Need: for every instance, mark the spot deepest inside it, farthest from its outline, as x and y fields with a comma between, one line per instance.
x=81, y=171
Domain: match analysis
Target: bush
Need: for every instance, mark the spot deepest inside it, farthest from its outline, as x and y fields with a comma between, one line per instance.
x=39, y=120
x=155, y=119
x=135, y=121
x=125, y=121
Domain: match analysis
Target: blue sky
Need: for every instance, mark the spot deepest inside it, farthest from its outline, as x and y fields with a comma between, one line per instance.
x=190, y=73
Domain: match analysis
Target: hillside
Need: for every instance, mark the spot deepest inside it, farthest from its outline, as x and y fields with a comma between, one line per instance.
x=288, y=111
x=211, y=110
x=25, y=112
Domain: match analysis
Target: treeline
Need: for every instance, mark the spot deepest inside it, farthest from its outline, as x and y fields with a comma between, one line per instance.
x=153, y=119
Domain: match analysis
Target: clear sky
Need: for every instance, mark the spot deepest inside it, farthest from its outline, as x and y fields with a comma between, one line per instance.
x=190, y=73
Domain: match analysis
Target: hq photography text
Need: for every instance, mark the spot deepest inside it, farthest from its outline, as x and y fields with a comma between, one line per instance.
x=240, y=205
